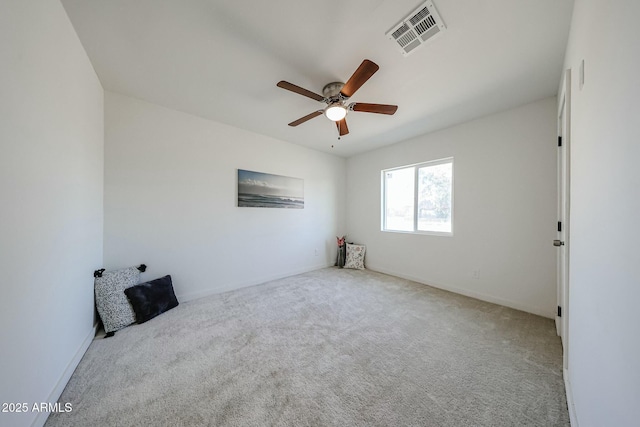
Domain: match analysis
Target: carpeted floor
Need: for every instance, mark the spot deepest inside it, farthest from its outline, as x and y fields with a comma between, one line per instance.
x=332, y=347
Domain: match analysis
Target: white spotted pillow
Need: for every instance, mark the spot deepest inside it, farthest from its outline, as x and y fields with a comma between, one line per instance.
x=112, y=304
x=355, y=256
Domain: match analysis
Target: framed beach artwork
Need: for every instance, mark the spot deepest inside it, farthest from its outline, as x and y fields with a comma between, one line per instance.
x=264, y=190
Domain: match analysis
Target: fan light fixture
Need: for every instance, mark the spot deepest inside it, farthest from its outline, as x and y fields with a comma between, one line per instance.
x=335, y=96
x=335, y=112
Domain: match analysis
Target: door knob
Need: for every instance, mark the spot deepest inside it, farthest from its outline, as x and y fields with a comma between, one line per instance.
x=558, y=243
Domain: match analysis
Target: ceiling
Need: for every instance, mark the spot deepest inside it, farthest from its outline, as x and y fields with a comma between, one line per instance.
x=221, y=60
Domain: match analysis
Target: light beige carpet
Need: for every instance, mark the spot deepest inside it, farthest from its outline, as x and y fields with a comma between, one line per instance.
x=331, y=347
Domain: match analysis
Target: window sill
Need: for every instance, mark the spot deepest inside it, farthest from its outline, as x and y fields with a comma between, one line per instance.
x=427, y=233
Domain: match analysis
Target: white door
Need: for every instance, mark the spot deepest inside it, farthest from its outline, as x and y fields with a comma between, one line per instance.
x=562, y=237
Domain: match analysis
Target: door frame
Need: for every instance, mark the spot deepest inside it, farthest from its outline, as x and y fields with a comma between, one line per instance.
x=564, y=186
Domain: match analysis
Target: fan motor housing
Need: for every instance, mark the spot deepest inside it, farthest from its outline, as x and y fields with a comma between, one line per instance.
x=332, y=90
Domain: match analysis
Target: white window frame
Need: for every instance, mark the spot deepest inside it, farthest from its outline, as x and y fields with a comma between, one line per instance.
x=416, y=167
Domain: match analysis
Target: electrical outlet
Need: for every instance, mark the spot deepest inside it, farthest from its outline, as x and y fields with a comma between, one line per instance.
x=317, y=252
x=476, y=274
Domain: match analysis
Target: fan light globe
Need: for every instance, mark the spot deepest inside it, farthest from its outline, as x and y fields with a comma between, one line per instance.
x=335, y=112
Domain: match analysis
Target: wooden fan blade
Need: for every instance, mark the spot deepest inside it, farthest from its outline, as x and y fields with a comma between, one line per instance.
x=299, y=90
x=342, y=127
x=375, y=108
x=305, y=118
x=361, y=75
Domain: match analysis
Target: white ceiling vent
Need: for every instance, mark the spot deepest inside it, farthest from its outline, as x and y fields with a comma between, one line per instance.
x=421, y=25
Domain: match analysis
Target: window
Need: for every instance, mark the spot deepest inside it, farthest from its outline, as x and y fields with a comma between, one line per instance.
x=418, y=198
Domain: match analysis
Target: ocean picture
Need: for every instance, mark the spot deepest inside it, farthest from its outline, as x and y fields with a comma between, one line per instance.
x=264, y=190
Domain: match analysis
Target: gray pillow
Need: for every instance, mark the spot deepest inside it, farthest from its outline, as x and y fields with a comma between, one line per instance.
x=113, y=306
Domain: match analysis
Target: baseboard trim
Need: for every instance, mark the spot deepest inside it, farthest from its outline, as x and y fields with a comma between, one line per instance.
x=477, y=295
x=66, y=375
x=257, y=281
x=573, y=418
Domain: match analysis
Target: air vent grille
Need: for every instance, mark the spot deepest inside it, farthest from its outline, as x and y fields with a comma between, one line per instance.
x=400, y=31
x=406, y=39
x=423, y=26
x=416, y=28
x=418, y=16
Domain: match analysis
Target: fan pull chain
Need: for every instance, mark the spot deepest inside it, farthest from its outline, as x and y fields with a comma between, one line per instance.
x=338, y=133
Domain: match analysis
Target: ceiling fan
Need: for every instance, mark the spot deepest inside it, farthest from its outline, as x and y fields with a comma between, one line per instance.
x=336, y=94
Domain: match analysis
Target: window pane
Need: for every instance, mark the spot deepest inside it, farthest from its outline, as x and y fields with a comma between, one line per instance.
x=399, y=197
x=434, y=197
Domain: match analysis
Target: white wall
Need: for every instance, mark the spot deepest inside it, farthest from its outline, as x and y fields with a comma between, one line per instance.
x=604, y=342
x=170, y=201
x=51, y=188
x=504, y=209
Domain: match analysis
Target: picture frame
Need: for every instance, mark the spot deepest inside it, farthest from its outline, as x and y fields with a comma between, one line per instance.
x=265, y=190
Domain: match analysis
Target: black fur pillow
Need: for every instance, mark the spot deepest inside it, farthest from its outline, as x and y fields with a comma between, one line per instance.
x=152, y=298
